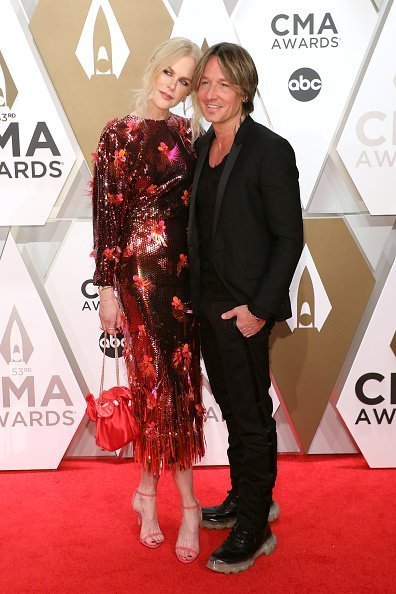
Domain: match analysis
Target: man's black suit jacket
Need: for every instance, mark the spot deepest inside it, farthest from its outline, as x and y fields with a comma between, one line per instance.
x=257, y=229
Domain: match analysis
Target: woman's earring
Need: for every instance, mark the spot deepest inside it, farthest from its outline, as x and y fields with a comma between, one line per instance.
x=184, y=107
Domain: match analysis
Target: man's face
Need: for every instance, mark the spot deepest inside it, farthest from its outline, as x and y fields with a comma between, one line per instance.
x=220, y=101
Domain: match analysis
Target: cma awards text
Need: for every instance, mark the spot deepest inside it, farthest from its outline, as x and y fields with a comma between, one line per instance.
x=41, y=139
x=369, y=415
x=34, y=410
x=90, y=292
x=290, y=31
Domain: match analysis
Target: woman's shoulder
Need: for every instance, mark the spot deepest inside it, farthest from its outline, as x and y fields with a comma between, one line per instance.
x=183, y=127
x=118, y=126
x=180, y=119
x=181, y=123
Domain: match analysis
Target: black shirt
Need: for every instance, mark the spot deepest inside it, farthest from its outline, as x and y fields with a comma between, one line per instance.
x=212, y=286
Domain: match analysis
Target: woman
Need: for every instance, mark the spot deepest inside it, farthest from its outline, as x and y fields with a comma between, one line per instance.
x=143, y=173
x=245, y=239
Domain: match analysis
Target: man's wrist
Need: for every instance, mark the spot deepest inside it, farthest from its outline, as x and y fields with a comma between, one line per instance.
x=253, y=316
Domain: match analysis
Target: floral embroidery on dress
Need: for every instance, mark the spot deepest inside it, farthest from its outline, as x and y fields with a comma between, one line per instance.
x=157, y=234
x=128, y=251
x=182, y=263
x=141, y=283
x=119, y=158
x=148, y=370
x=112, y=253
x=186, y=197
x=182, y=357
x=172, y=155
x=115, y=198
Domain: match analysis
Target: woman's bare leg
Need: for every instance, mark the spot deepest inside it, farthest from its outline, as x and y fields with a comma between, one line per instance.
x=187, y=546
x=145, y=505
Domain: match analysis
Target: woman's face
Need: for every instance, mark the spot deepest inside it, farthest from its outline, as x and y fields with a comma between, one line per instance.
x=219, y=100
x=171, y=86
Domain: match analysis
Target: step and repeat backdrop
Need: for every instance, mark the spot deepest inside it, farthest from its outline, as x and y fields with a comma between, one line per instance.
x=327, y=84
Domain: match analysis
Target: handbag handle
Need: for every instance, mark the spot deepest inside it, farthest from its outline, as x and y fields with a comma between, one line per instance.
x=103, y=364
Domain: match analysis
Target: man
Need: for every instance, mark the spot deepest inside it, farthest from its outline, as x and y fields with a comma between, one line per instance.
x=245, y=240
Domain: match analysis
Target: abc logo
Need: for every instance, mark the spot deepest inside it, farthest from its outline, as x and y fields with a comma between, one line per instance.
x=305, y=84
x=111, y=344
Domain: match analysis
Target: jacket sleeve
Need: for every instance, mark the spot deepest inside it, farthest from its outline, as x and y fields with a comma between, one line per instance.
x=281, y=199
x=107, y=212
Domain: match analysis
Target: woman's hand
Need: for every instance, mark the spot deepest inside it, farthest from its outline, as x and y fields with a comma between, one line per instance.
x=109, y=311
x=246, y=323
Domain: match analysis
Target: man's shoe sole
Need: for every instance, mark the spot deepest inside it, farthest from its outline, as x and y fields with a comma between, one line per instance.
x=218, y=524
x=273, y=512
x=266, y=549
x=221, y=524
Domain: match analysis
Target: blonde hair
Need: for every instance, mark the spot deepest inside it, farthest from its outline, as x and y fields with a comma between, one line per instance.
x=164, y=55
x=238, y=68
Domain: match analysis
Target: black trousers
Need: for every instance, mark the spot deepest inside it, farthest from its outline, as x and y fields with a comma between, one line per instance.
x=238, y=371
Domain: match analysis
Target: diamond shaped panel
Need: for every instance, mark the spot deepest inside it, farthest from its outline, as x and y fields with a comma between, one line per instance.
x=95, y=52
x=298, y=49
x=35, y=153
x=367, y=144
x=307, y=361
x=367, y=402
x=41, y=402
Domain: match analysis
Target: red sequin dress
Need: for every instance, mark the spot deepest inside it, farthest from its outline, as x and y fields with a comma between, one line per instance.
x=141, y=187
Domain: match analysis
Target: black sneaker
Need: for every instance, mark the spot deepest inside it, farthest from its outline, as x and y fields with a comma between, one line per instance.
x=240, y=550
x=225, y=514
x=221, y=516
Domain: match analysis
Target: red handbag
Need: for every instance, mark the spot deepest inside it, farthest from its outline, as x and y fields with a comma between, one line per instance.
x=112, y=412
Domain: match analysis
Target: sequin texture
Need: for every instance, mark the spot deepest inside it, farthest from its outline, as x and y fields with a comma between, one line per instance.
x=142, y=179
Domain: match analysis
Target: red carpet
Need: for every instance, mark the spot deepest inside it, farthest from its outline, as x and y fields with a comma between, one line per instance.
x=72, y=530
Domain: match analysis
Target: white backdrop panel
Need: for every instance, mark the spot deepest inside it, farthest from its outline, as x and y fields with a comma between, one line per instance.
x=76, y=302
x=368, y=399
x=35, y=153
x=307, y=55
x=368, y=142
x=41, y=403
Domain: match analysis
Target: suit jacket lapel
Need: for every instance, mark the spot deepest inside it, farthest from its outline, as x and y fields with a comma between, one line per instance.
x=229, y=164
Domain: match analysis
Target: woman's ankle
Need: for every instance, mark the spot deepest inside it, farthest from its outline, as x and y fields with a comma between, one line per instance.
x=146, y=492
x=190, y=503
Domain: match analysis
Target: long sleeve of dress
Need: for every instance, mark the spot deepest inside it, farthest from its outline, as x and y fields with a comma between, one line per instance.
x=107, y=198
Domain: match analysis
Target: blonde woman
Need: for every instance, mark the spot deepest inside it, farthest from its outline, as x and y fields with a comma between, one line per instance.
x=142, y=180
